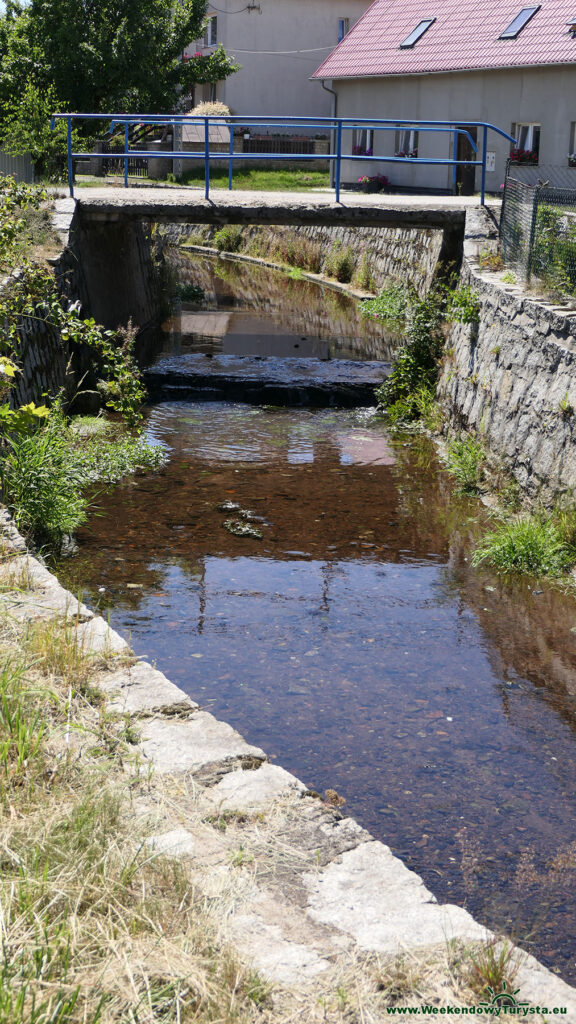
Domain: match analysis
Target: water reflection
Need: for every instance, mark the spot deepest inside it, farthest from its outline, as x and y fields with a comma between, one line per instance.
x=355, y=644
x=254, y=311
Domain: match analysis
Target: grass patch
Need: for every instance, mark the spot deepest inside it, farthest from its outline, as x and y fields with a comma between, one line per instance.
x=44, y=474
x=465, y=459
x=261, y=180
x=537, y=543
x=340, y=262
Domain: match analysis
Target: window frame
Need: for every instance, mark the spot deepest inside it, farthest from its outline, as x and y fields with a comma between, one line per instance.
x=416, y=34
x=530, y=13
x=211, y=31
x=406, y=142
x=527, y=150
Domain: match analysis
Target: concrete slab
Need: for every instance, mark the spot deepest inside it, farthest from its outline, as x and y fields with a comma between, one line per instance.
x=175, y=746
x=240, y=790
x=276, y=957
x=176, y=843
x=371, y=895
x=97, y=637
x=32, y=591
x=140, y=689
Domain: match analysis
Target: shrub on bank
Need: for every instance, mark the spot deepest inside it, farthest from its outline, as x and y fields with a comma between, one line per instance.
x=536, y=543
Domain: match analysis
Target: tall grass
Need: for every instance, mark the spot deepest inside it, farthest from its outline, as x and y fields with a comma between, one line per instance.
x=41, y=484
x=535, y=543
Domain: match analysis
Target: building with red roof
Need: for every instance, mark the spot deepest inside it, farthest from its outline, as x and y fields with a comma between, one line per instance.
x=461, y=61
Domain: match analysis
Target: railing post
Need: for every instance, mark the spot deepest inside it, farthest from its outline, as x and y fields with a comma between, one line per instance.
x=206, y=158
x=532, y=236
x=484, y=148
x=455, y=167
x=70, y=163
x=126, y=144
x=338, y=159
x=231, y=158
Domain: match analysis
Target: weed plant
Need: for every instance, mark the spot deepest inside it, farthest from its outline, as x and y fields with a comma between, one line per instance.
x=391, y=306
x=229, y=238
x=537, y=543
x=411, y=385
x=465, y=459
x=340, y=262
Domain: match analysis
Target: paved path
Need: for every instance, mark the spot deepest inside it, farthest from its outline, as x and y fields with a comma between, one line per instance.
x=161, y=204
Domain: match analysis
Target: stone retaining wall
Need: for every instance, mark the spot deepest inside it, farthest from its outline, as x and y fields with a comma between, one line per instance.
x=403, y=254
x=511, y=379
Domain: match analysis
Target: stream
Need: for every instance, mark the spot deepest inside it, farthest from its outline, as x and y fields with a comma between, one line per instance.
x=352, y=640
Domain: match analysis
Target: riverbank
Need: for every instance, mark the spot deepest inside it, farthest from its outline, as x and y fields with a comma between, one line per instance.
x=267, y=876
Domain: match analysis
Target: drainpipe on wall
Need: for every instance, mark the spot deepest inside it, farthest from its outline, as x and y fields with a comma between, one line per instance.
x=333, y=132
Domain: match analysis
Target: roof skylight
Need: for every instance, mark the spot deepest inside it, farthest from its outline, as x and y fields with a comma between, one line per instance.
x=417, y=33
x=515, y=27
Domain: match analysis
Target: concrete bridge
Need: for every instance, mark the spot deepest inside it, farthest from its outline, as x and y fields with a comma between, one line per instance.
x=104, y=230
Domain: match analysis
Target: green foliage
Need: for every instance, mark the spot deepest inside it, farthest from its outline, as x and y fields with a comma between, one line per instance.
x=15, y=198
x=229, y=238
x=340, y=262
x=462, y=305
x=537, y=543
x=33, y=295
x=23, y=420
x=554, y=251
x=412, y=381
x=111, y=459
x=391, y=305
x=363, y=276
x=26, y=129
x=41, y=485
x=465, y=459
x=188, y=292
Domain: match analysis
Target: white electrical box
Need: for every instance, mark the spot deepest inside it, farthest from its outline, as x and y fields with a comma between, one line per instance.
x=490, y=161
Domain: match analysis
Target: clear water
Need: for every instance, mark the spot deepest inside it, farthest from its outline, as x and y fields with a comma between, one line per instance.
x=355, y=644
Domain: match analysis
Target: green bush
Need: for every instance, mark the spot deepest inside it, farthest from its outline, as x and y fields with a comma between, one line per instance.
x=363, y=276
x=229, y=238
x=340, y=262
x=465, y=459
x=536, y=544
x=463, y=305
x=41, y=484
x=412, y=382
x=391, y=305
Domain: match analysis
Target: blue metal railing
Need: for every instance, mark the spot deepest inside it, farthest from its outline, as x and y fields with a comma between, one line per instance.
x=334, y=127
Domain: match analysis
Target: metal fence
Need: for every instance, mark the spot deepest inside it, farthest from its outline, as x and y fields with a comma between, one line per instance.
x=20, y=167
x=538, y=234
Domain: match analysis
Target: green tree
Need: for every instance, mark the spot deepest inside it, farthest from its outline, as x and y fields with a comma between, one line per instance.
x=104, y=55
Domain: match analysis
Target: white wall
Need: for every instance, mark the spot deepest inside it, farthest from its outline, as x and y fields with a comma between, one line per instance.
x=278, y=83
x=545, y=96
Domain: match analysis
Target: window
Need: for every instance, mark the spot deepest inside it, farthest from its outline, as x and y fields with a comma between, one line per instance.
x=211, y=31
x=515, y=27
x=527, y=148
x=362, y=142
x=418, y=32
x=343, y=28
x=406, y=142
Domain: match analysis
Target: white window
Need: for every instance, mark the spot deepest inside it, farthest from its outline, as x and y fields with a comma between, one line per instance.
x=362, y=142
x=527, y=149
x=406, y=142
x=211, y=31
x=343, y=28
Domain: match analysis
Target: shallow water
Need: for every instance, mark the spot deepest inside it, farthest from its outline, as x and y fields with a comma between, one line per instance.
x=355, y=644
x=254, y=311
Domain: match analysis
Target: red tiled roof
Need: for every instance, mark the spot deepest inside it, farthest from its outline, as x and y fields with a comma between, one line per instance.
x=464, y=37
